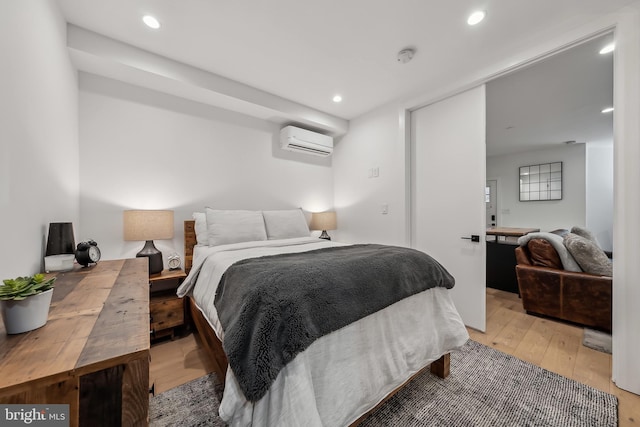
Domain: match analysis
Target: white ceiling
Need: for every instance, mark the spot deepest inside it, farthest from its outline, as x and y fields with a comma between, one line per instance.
x=305, y=52
x=554, y=101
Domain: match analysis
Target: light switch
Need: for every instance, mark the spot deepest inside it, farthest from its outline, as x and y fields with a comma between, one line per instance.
x=384, y=209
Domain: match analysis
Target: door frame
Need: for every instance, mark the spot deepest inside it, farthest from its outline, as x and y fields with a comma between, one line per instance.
x=625, y=25
x=498, y=217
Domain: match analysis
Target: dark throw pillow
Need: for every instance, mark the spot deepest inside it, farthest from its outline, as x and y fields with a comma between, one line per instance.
x=560, y=232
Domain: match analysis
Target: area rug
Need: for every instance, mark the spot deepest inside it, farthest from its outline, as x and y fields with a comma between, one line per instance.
x=597, y=340
x=486, y=388
x=192, y=404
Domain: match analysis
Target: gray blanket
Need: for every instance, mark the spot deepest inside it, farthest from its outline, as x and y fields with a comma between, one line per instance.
x=274, y=307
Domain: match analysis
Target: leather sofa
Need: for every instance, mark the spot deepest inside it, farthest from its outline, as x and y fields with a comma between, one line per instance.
x=549, y=290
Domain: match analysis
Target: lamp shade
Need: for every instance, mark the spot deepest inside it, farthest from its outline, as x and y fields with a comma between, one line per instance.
x=148, y=225
x=323, y=221
x=60, y=239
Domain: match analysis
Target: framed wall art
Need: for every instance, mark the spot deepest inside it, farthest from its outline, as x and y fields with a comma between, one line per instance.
x=541, y=182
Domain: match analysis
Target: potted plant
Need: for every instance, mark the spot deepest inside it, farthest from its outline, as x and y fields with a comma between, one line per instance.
x=25, y=301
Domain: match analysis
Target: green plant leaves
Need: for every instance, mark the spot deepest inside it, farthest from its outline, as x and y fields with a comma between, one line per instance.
x=22, y=287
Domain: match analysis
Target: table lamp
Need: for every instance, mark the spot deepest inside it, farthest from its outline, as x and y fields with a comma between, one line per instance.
x=60, y=240
x=61, y=247
x=149, y=225
x=323, y=221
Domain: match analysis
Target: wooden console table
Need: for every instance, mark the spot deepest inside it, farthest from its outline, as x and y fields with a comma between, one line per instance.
x=510, y=231
x=93, y=353
x=501, y=258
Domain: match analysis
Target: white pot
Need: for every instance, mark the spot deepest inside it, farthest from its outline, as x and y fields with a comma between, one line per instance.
x=27, y=314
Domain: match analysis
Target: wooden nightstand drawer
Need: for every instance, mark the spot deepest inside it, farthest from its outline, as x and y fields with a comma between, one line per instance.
x=166, y=312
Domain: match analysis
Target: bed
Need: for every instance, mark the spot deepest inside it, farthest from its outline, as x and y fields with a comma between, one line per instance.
x=340, y=376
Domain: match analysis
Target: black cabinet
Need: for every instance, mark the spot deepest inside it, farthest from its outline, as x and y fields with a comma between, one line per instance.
x=501, y=266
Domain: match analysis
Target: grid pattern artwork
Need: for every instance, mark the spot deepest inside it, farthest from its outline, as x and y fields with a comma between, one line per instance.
x=541, y=182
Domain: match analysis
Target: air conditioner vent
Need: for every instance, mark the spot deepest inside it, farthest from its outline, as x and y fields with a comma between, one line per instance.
x=300, y=140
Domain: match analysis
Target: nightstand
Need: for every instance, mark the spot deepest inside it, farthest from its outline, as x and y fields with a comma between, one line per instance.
x=166, y=309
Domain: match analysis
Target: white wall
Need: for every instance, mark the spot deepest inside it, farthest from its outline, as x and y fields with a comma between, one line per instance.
x=372, y=142
x=38, y=132
x=141, y=149
x=545, y=215
x=599, y=190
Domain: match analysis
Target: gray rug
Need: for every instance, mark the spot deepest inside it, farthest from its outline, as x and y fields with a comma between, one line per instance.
x=485, y=388
x=597, y=340
x=192, y=404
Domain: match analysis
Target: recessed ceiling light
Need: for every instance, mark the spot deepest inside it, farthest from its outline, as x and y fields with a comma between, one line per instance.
x=607, y=110
x=476, y=17
x=151, y=22
x=608, y=48
x=337, y=98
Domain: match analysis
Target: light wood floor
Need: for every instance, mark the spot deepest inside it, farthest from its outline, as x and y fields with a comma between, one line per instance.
x=555, y=346
x=177, y=362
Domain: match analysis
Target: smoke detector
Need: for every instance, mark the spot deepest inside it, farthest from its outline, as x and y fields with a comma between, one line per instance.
x=405, y=55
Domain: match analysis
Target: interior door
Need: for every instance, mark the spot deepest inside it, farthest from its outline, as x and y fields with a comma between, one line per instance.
x=448, y=194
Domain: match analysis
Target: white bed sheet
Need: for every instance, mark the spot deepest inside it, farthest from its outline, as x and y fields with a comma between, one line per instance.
x=345, y=373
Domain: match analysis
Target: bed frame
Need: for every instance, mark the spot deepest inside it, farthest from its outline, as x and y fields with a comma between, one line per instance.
x=209, y=339
x=213, y=346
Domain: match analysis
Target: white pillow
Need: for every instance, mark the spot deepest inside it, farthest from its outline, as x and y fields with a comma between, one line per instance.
x=201, y=228
x=285, y=224
x=234, y=226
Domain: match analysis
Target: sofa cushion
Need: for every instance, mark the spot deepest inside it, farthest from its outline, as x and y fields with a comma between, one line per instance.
x=543, y=254
x=588, y=254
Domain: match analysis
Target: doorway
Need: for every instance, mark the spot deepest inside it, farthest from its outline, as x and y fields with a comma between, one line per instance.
x=553, y=111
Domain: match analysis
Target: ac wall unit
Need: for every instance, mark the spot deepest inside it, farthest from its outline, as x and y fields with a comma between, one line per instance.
x=305, y=141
